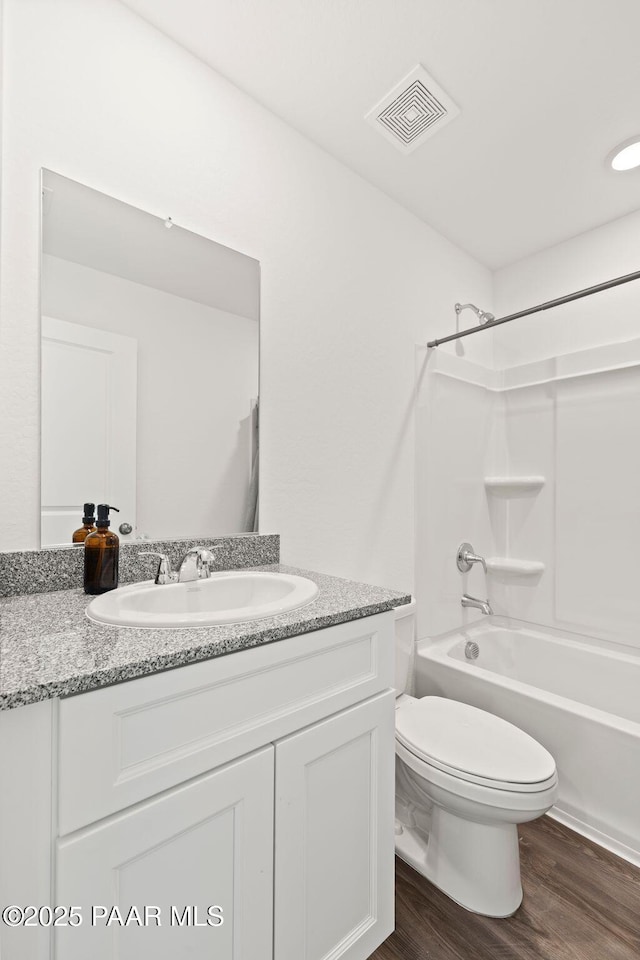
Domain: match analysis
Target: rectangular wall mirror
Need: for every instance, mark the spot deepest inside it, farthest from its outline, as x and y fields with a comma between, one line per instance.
x=149, y=373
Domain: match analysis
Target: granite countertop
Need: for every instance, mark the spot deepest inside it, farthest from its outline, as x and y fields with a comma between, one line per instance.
x=49, y=648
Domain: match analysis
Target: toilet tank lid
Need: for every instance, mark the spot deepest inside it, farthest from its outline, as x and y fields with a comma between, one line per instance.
x=471, y=741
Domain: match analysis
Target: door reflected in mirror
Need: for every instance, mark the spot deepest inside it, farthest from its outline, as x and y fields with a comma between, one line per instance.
x=149, y=376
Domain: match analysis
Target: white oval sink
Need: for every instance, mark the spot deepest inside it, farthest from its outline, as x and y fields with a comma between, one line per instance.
x=226, y=597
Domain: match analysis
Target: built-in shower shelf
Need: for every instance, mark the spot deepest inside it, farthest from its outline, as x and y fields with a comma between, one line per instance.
x=514, y=486
x=506, y=567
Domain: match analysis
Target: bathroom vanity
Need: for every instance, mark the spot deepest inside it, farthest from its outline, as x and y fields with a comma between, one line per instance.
x=229, y=787
x=254, y=788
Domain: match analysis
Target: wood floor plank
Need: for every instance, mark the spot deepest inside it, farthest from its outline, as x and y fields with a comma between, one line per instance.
x=580, y=903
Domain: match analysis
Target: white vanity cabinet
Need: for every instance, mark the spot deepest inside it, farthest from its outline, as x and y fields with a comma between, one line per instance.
x=260, y=783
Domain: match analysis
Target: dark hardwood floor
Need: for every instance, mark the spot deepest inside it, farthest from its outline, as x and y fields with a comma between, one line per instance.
x=580, y=903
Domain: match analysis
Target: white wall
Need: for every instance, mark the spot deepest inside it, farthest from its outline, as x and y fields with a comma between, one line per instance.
x=197, y=374
x=590, y=258
x=350, y=281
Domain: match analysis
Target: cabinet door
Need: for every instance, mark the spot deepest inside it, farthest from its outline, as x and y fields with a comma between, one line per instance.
x=334, y=869
x=208, y=843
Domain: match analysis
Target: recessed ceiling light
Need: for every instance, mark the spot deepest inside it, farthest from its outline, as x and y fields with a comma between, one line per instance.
x=626, y=155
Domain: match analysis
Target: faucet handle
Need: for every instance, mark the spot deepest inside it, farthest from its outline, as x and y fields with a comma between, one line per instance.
x=205, y=561
x=165, y=573
x=466, y=557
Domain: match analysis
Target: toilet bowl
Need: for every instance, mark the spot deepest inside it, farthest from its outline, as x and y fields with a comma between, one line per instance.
x=464, y=780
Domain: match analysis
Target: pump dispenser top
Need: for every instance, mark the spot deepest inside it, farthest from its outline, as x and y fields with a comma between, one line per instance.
x=101, y=555
x=88, y=524
x=103, y=514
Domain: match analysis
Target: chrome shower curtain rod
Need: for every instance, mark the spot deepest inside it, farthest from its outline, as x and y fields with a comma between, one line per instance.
x=537, y=309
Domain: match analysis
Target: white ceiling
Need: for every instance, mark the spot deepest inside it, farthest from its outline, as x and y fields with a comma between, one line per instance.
x=98, y=231
x=546, y=89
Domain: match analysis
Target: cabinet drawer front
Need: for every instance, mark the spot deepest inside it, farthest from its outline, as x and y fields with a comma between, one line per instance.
x=127, y=742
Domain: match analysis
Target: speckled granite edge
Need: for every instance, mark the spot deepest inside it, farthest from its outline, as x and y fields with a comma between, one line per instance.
x=61, y=568
x=50, y=649
x=105, y=678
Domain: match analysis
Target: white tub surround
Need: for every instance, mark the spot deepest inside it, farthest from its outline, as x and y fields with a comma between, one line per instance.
x=533, y=464
x=577, y=696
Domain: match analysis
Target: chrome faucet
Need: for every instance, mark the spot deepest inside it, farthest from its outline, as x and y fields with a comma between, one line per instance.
x=196, y=565
x=466, y=557
x=482, y=605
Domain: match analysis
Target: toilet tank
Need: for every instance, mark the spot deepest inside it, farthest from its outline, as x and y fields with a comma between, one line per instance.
x=405, y=630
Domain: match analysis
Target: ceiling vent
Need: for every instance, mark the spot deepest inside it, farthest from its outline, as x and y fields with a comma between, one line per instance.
x=413, y=111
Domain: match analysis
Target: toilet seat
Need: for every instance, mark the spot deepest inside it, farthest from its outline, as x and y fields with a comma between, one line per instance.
x=473, y=745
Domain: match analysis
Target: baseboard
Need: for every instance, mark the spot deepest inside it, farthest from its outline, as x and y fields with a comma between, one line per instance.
x=602, y=839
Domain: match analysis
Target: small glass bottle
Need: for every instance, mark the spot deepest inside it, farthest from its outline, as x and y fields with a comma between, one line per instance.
x=101, y=555
x=88, y=524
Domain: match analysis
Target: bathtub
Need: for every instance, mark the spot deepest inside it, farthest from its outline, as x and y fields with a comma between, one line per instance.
x=576, y=696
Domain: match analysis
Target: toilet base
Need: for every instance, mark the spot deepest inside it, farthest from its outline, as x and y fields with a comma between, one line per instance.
x=476, y=864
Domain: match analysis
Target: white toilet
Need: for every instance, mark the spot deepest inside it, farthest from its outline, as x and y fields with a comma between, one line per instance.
x=464, y=780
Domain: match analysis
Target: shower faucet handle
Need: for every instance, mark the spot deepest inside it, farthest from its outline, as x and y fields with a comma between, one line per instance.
x=466, y=557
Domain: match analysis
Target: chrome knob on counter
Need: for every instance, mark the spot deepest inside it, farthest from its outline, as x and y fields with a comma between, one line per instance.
x=125, y=529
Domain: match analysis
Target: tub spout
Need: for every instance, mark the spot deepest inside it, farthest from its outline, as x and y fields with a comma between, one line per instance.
x=482, y=605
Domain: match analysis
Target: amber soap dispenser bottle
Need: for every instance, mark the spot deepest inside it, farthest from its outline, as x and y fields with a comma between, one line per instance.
x=101, y=555
x=88, y=524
